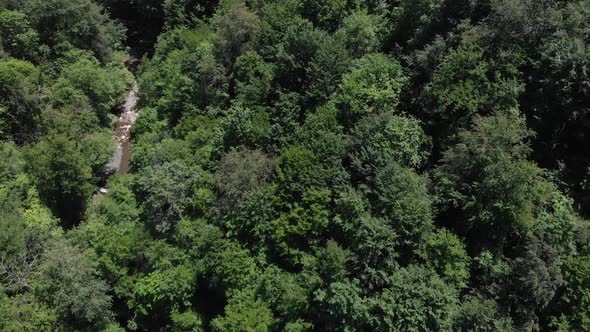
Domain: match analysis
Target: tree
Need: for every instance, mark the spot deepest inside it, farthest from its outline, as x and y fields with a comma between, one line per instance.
x=277, y=18
x=244, y=126
x=67, y=281
x=286, y=115
x=24, y=313
x=238, y=32
x=373, y=85
x=18, y=38
x=416, y=300
x=330, y=61
x=167, y=85
x=65, y=24
x=381, y=139
x=446, y=254
x=342, y=308
x=496, y=186
x=504, y=202
x=168, y=193
x=420, y=21
x=186, y=321
x=244, y=314
x=363, y=33
x=13, y=230
x=480, y=314
x=254, y=78
x=252, y=221
x=241, y=171
x=185, y=12
x=19, y=100
x=161, y=293
x=311, y=62
x=323, y=135
x=326, y=14
x=374, y=245
x=403, y=200
x=560, y=119
x=62, y=175
x=302, y=224
x=573, y=303
x=467, y=83
x=231, y=268
x=535, y=276
x=86, y=81
x=12, y=162
x=298, y=170
x=283, y=293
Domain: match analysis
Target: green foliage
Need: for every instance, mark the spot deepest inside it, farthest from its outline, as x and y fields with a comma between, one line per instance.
x=298, y=170
x=304, y=224
x=499, y=186
x=244, y=126
x=445, y=252
x=62, y=174
x=254, y=79
x=324, y=72
x=13, y=231
x=281, y=165
x=285, y=118
x=404, y=201
x=343, y=307
x=18, y=37
x=494, y=149
x=322, y=134
x=276, y=19
x=163, y=291
x=251, y=222
x=284, y=295
x=241, y=171
x=331, y=262
x=326, y=13
x=19, y=99
x=184, y=12
x=374, y=246
x=11, y=162
x=244, y=314
x=311, y=62
x=573, y=304
x=416, y=300
x=504, y=201
x=480, y=314
x=167, y=85
x=237, y=33
x=373, y=85
x=25, y=313
x=381, y=139
x=65, y=24
x=169, y=192
x=187, y=321
x=558, y=75
x=364, y=33
x=85, y=81
x=67, y=282
x=232, y=267
x=465, y=83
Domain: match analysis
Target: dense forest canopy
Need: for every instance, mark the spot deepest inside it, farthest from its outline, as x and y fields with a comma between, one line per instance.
x=297, y=165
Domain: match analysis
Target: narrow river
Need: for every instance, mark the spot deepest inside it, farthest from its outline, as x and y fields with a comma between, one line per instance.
x=122, y=157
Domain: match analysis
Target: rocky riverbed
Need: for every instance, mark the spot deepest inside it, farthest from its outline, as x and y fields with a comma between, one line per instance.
x=122, y=157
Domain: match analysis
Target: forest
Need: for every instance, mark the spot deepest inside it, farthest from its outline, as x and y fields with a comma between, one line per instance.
x=296, y=165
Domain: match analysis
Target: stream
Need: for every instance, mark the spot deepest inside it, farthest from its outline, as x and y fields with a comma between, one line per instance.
x=121, y=160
